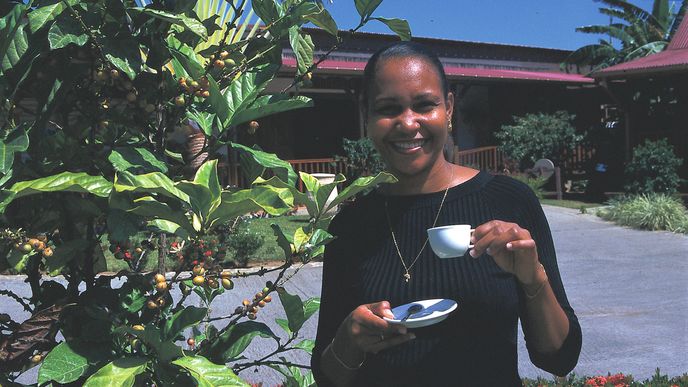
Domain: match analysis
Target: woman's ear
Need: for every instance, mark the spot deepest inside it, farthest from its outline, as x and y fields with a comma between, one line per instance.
x=449, y=105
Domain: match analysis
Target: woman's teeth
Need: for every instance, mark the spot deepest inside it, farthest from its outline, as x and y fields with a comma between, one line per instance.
x=406, y=145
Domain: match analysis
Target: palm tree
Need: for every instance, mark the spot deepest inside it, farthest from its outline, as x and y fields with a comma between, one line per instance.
x=640, y=32
x=225, y=10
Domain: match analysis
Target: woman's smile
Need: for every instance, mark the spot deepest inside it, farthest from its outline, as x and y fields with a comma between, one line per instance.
x=409, y=146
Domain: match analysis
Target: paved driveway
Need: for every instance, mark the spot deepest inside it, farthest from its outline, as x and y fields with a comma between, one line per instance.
x=629, y=289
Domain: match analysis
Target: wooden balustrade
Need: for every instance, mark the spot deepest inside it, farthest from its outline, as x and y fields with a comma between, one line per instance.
x=488, y=158
x=230, y=174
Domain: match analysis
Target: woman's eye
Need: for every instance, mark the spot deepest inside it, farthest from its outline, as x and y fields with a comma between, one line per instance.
x=387, y=110
x=426, y=106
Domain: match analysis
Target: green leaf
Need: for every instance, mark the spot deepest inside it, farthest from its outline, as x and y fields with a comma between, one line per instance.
x=306, y=345
x=188, y=23
x=321, y=237
x=18, y=260
x=203, y=119
x=49, y=101
x=13, y=39
x=62, y=365
x=283, y=240
x=254, y=162
x=274, y=201
x=123, y=53
x=398, y=26
x=300, y=238
x=132, y=298
x=232, y=343
x=16, y=141
x=186, y=57
x=207, y=177
x=121, y=225
x=161, y=225
x=245, y=90
x=284, y=324
x=200, y=199
x=64, y=254
x=135, y=160
x=366, y=8
x=293, y=306
x=219, y=103
x=151, y=208
x=121, y=372
x=268, y=105
x=266, y=10
x=312, y=188
x=62, y=182
x=6, y=178
x=154, y=182
x=324, y=20
x=66, y=31
x=11, y=28
x=189, y=316
x=310, y=306
x=319, y=193
x=361, y=184
x=299, y=197
x=317, y=243
x=42, y=15
x=174, y=156
x=303, y=46
x=208, y=374
x=166, y=350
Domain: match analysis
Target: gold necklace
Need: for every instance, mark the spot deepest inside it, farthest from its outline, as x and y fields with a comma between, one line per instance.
x=407, y=275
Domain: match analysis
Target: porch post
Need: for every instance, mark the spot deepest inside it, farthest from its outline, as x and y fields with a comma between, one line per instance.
x=356, y=96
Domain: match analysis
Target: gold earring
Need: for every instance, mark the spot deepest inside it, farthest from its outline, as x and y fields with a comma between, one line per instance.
x=449, y=127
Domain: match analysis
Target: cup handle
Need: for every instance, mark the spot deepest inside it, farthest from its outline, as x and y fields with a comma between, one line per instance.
x=471, y=234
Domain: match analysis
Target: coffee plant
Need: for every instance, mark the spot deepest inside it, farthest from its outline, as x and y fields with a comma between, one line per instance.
x=91, y=95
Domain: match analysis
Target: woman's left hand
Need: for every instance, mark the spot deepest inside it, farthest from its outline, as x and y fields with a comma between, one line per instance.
x=511, y=246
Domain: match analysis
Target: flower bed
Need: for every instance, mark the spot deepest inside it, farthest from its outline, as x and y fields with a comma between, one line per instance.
x=610, y=380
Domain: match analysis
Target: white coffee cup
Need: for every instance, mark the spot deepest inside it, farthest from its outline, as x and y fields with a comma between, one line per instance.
x=450, y=241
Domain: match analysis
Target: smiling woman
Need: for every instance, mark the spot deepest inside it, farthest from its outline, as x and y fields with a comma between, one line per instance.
x=380, y=260
x=408, y=111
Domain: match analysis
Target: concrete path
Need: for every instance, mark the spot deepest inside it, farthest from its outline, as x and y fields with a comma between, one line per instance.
x=629, y=289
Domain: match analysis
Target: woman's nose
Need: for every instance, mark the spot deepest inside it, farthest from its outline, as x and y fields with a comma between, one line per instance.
x=408, y=120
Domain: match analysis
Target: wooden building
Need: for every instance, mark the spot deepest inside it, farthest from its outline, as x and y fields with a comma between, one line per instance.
x=491, y=82
x=651, y=96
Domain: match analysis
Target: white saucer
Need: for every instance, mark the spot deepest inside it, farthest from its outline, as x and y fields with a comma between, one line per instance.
x=433, y=311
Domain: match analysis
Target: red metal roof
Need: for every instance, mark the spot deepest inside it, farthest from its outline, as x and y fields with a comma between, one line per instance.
x=680, y=38
x=673, y=58
x=356, y=67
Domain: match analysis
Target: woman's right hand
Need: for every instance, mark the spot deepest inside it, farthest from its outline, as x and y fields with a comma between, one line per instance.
x=365, y=331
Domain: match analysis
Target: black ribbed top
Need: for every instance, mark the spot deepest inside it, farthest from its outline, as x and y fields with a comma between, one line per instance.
x=476, y=345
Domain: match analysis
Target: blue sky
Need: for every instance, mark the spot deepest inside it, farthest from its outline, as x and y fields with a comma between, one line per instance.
x=540, y=23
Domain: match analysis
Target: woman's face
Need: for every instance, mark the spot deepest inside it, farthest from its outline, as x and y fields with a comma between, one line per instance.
x=408, y=114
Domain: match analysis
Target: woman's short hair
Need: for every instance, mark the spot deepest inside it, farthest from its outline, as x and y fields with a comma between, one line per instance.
x=400, y=50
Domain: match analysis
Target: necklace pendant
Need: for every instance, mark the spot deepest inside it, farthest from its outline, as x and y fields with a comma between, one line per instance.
x=407, y=277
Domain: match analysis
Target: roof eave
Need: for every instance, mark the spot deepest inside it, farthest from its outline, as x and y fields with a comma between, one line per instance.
x=639, y=72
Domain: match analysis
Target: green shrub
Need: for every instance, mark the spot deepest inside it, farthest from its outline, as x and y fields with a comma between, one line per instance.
x=244, y=243
x=648, y=211
x=361, y=157
x=538, y=135
x=535, y=183
x=654, y=168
